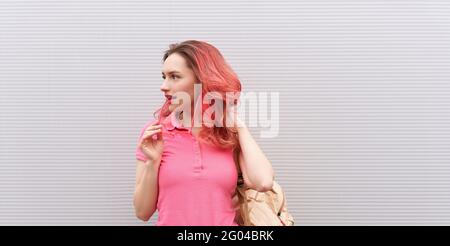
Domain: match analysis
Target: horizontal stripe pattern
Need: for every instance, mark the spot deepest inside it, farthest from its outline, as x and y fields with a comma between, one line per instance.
x=363, y=93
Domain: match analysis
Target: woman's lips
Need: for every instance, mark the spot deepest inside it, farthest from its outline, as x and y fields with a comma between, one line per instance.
x=169, y=98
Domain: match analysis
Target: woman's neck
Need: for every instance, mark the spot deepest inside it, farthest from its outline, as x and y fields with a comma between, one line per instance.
x=189, y=124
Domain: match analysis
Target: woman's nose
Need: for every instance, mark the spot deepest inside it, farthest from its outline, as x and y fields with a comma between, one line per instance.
x=164, y=87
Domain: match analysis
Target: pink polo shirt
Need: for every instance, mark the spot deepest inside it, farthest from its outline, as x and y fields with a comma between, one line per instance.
x=196, y=181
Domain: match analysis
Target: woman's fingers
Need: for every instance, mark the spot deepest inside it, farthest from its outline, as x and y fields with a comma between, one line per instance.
x=150, y=133
x=153, y=127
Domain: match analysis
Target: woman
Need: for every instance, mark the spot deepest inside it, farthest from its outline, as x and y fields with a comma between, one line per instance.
x=187, y=171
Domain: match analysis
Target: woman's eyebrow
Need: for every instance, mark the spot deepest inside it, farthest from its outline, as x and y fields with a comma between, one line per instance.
x=170, y=72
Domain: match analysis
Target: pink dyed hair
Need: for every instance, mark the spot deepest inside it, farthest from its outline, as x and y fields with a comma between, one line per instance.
x=215, y=75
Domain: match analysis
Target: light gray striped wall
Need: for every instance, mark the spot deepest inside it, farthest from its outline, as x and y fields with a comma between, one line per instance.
x=364, y=94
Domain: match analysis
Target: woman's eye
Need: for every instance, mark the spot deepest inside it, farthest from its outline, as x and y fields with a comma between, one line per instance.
x=172, y=77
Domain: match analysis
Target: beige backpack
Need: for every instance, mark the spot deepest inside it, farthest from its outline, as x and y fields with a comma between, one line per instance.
x=264, y=208
x=260, y=208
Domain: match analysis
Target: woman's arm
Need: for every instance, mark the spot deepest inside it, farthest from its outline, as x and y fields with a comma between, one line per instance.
x=147, y=167
x=256, y=168
x=146, y=190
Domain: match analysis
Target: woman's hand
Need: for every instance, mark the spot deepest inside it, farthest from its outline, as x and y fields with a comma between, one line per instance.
x=152, y=143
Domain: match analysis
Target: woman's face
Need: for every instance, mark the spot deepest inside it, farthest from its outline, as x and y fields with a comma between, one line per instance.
x=178, y=77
